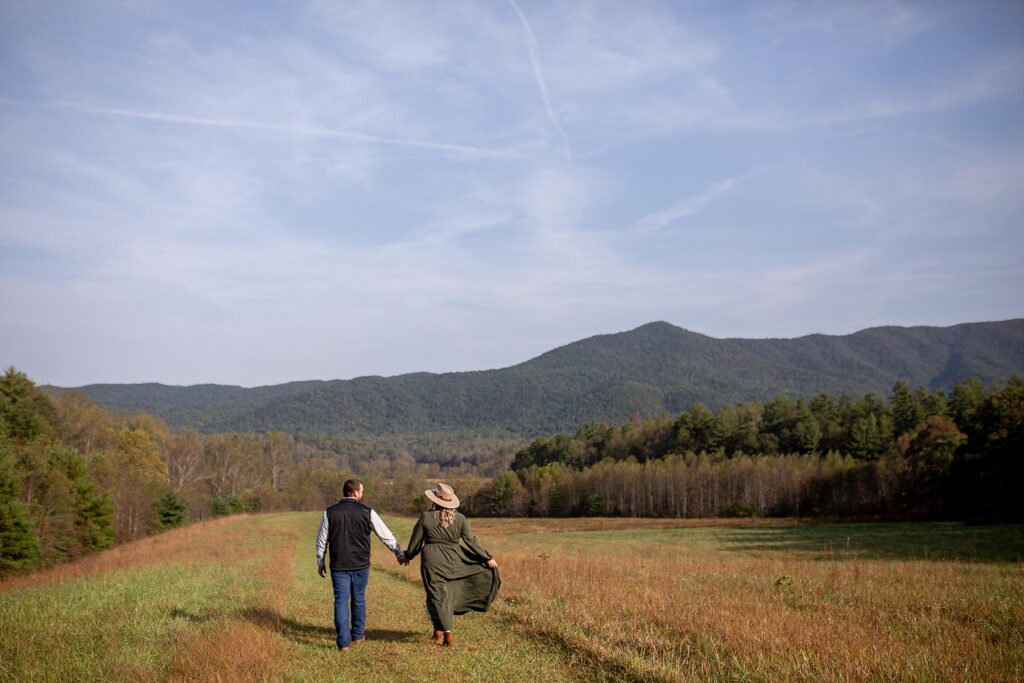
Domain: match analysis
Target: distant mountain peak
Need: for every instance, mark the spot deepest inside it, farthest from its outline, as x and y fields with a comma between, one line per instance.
x=655, y=368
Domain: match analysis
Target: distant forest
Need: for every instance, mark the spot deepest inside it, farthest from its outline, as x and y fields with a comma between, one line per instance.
x=652, y=369
x=75, y=478
x=918, y=455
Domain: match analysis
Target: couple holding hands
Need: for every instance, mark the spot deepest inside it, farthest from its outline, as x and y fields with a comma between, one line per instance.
x=456, y=579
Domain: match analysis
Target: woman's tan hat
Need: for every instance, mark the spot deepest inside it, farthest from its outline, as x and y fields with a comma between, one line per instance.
x=443, y=495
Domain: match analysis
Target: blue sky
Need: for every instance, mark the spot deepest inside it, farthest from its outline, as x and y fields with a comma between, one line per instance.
x=252, y=193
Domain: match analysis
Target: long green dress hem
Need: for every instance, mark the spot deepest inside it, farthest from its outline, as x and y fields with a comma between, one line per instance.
x=456, y=579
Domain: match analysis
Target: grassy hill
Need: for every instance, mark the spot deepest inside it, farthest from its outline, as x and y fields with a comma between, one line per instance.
x=654, y=368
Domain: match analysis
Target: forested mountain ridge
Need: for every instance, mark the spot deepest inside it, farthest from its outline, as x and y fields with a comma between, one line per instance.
x=652, y=369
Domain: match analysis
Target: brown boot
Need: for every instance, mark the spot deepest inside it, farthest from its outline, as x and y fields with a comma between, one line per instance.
x=437, y=636
x=448, y=640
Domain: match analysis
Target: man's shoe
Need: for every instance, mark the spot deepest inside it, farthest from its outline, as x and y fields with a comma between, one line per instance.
x=359, y=640
x=448, y=640
x=437, y=636
x=343, y=649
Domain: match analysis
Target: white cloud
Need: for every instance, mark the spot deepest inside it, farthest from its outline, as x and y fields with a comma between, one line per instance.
x=684, y=208
x=375, y=187
x=538, y=75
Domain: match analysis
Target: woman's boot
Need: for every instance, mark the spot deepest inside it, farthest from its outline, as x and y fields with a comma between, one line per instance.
x=448, y=640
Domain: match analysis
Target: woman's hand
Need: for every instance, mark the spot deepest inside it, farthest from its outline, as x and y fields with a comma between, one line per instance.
x=492, y=563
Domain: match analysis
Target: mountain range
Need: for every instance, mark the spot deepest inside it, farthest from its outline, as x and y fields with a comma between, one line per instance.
x=652, y=369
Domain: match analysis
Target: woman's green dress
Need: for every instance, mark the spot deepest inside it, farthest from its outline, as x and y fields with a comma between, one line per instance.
x=456, y=580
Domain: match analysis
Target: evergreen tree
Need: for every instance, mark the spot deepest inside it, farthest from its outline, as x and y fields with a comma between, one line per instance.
x=25, y=412
x=19, y=546
x=94, y=512
x=171, y=510
x=908, y=407
x=508, y=497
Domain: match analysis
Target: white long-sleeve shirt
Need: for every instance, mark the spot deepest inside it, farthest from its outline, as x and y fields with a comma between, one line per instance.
x=376, y=523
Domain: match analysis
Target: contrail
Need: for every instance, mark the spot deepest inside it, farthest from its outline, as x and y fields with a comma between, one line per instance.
x=242, y=124
x=686, y=207
x=538, y=76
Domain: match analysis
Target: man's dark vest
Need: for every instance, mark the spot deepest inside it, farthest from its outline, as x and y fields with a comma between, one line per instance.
x=348, y=535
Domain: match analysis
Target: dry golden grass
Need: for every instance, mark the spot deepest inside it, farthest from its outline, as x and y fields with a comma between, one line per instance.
x=206, y=541
x=592, y=599
x=669, y=607
x=236, y=651
x=229, y=653
x=516, y=526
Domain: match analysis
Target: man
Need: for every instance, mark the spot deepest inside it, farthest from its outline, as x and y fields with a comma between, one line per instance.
x=345, y=530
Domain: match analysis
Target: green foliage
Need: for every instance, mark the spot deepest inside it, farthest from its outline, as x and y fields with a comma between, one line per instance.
x=592, y=505
x=19, y=546
x=248, y=501
x=653, y=369
x=94, y=512
x=25, y=412
x=73, y=517
x=990, y=468
x=738, y=510
x=230, y=505
x=928, y=451
x=509, y=496
x=171, y=510
x=936, y=468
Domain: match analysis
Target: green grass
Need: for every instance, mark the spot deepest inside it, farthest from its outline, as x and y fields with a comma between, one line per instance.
x=128, y=624
x=594, y=601
x=111, y=626
x=933, y=541
x=894, y=541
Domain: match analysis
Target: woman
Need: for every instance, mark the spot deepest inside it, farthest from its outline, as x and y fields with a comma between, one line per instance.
x=456, y=580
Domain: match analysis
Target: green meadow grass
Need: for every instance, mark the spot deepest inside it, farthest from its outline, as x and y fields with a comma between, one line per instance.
x=892, y=541
x=645, y=601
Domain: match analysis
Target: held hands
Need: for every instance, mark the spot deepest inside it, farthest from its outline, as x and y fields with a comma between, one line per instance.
x=403, y=560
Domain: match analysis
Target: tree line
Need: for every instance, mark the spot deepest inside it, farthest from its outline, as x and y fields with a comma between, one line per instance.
x=75, y=478
x=915, y=454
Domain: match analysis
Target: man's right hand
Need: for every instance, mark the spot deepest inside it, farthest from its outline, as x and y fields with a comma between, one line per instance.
x=322, y=571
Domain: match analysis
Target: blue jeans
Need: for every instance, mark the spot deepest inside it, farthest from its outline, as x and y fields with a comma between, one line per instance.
x=350, y=585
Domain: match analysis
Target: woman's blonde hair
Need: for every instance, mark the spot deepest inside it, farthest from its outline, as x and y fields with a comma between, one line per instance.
x=444, y=516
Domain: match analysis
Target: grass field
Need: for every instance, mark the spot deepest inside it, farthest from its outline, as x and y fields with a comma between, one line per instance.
x=238, y=599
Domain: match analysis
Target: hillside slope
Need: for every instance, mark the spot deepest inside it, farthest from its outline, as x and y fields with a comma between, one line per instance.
x=654, y=368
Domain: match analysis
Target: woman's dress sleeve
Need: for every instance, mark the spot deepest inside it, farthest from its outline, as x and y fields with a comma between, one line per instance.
x=415, y=541
x=470, y=540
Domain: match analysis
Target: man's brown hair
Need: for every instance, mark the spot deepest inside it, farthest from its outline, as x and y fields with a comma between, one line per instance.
x=351, y=487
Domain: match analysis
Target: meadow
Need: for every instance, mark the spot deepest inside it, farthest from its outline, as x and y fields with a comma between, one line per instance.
x=238, y=599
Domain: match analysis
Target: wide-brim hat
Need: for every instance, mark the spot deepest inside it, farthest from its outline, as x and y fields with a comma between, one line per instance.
x=443, y=495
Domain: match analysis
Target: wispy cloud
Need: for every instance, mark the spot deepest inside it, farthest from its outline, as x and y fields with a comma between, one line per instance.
x=377, y=179
x=538, y=76
x=271, y=127
x=684, y=208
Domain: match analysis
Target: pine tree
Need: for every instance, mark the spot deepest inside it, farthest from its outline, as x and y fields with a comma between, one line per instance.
x=93, y=512
x=25, y=412
x=19, y=546
x=171, y=510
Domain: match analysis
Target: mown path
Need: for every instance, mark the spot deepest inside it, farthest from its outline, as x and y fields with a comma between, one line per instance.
x=398, y=646
x=239, y=599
